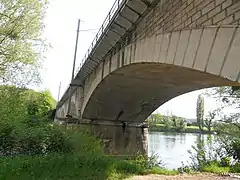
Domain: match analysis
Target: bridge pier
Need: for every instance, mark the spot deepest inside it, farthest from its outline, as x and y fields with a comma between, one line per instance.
x=120, y=139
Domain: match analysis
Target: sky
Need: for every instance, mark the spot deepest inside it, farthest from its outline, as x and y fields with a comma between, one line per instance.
x=60, y=31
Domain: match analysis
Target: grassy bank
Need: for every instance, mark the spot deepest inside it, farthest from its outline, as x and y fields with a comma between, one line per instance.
x=81, y=166
x=188, y=129
x=72, y=166
x=85, y=160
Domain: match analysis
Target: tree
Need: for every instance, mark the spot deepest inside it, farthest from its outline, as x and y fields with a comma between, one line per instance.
x=12, y=104
x=208, y=122
x=228, y=98
x=155, y=119
x=178, y=123
x=21, y=45
x=39, y=105
x=200, y=111
x=18, y=104
x=182, y=124
x=158, y=118
x=175, y=121
x=167, y=122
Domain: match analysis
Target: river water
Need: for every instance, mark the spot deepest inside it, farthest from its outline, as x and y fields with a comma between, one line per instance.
x=172, y=148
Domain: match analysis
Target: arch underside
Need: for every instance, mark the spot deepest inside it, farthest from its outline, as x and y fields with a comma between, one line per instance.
x=133, y=92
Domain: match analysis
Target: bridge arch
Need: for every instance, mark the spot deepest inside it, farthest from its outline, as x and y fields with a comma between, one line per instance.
x=131, y=84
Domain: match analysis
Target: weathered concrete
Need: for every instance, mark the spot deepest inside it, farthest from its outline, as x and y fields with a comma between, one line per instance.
x=168, y=48
x=120, y=140
x=139, y=87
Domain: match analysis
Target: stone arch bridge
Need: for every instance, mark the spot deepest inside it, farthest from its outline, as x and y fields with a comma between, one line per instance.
x=149, y=52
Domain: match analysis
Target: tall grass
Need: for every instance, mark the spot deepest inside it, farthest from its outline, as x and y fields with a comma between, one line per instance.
x=83, y=160
x=73, y=166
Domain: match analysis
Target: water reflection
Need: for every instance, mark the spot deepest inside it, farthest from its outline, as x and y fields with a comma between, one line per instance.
x=172, y=147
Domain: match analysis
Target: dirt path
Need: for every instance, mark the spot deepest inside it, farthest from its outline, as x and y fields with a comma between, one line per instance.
x=184, y=177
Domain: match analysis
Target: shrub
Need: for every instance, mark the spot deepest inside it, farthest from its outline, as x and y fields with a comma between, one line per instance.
x=22, y=139
x=9, y=143
x=167, y=122
x=213, y=168
x=235, y=168
x=225, y=162
x=83, y=142
x=233, y=148
x=184, y=168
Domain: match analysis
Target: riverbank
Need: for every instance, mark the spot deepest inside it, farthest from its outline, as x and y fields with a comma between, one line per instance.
x=87, y=164
x=90, y=167
x=80, y=157
x=187, y=129
x=84, y=166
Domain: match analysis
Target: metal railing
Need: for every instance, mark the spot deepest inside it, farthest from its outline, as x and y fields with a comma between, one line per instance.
x=100, y=32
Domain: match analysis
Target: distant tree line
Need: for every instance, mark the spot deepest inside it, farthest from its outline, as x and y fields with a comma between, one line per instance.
x=168, y=122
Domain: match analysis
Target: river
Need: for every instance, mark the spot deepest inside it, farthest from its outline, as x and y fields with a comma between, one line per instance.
x=172, y=148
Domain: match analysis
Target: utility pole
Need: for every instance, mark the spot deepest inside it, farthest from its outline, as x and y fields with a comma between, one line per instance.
x=73, y=71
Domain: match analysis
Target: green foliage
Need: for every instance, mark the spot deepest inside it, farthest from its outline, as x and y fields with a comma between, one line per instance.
x=146, y=161
x=55, y=166
x=214, y=168
x=227, y=98
x=233, y=148
x=170, y=123
x=19, y=104
x=178, y=123
x=229, y=126
x=225, y=162
x=206, y=152
x=21, y=139
x=208, y=158
x=167, y=122
x=156, y=170
x=200, y=111
x=43, y=138
x=83, y=142
x=225, y=128
x=225, y=95
x=208, y=122
x=198, y=155
x=78, y=166
x=39, y=103
x=175, y=119
x=155, y=119
x=85, y=161
x=235, y=168
x=184, y=168
x=21, y=26
x=12, y=105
